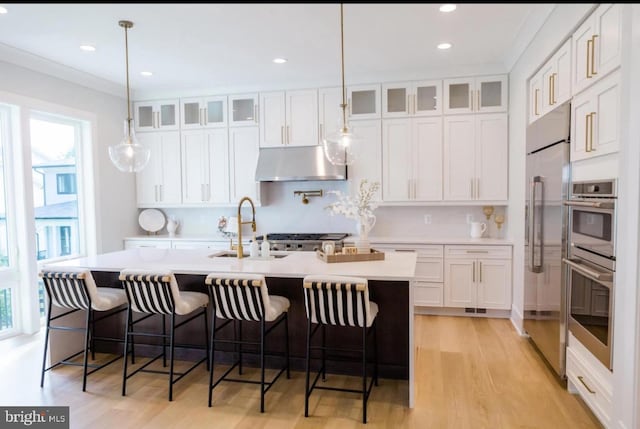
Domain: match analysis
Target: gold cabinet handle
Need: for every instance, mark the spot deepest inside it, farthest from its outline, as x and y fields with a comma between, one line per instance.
x=288, y=134
x=474, y=271
x=591, y=116
x=585, y=385
x=551, y=90
x=471, y=104
x=535, y=103
x=589, y=50
x=593, y=55
x=321, y=133
x=204, y=116
x=480, y=271
x=586, y=132
x=478, y=100
x=471, y=183
x=281, y=134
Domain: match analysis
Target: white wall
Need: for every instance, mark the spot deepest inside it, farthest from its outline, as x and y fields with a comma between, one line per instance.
x=559, y=25
x=115, y=191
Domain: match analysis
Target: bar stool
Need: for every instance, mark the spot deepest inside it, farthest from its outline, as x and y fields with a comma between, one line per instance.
x=339, y=301
x=245, y=297
x=75, y=289
x=156, y=293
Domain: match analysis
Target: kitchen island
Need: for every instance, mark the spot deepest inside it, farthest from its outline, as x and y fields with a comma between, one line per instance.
x=389, y=283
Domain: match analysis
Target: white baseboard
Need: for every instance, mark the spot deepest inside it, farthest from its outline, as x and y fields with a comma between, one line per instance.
x=517, y=321
x=447, y=311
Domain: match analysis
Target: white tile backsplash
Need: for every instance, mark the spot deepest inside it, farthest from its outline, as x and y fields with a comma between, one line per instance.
x=284, y=212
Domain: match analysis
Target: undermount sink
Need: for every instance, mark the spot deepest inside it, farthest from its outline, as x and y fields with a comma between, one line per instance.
x=230, y=254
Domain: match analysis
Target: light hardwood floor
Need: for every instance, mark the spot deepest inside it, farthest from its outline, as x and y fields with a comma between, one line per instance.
x=470, y=373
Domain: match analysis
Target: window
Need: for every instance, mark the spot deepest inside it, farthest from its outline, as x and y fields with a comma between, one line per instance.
x=66, y=183
x=65, y=240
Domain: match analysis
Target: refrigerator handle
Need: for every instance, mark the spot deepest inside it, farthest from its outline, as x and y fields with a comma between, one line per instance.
x=532, y=225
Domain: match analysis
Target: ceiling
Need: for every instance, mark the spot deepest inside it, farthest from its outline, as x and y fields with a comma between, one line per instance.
x=191, y=48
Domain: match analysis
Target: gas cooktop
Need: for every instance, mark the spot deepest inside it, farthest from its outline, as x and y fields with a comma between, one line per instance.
x=302, y=241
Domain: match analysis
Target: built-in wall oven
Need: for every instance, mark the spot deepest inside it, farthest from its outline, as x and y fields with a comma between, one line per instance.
x=591, y=265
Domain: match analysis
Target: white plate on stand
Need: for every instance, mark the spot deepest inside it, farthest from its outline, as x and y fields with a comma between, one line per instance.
x=151, y=220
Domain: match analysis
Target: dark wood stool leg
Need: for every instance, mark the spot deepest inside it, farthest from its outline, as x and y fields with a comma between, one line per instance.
x=375, y=352
x=212, y=354
x=261, y=364
x=164, y=342
x=126, y=344
x=171, y=354
x=286, y=332
x=206, y=336
x=87, y=332
x=364, y=374
x=324, y=353
x=308, y=359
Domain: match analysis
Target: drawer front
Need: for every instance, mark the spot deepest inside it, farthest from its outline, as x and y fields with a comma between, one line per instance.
x=427, y=294
x=591, y=391
x=429, y=269
x=158, y=244
x=215, y=245
x=423, y=250
x=484, y=252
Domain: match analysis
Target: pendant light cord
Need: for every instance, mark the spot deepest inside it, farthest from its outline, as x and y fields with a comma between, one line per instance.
x=126, y=50
x=344, y=101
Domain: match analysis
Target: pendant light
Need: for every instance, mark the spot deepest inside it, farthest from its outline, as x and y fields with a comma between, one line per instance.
x=341, y=147
x=129, y=155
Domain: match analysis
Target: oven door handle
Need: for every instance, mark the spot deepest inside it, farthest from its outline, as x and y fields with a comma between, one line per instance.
x=594, y=275
x=594, y=204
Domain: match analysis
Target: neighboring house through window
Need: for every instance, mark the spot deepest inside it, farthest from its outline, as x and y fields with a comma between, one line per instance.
x=66, y=183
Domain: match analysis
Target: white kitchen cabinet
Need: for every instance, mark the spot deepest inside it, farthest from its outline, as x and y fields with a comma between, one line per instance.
x=158, y=115
x=535, y=98
x=363, y=101
x=155, y=243
x=475, y=157
x=193, y=244
x=243, y=160
x=243, y=110
x=368, y=155
x=589, y=378
x=412, y=159
x=289, y=118
x=159, y=183
x=597, y=46
x=483, y=94
x=551, y=86
x=427, y=284
x=405, y=99
x=203, y=112
x=329, y=111
x=477, y=277
x=205, y=166
x=595, y=119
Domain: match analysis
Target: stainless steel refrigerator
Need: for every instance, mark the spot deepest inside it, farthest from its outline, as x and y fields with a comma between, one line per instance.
x=545, y=289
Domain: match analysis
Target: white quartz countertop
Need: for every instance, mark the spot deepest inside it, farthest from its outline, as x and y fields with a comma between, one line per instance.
x=396, y=266
x=387, y=239
x=432, y=240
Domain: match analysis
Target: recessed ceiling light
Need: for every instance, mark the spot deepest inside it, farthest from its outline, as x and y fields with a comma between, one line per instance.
x=279, y=60
x=447, y=8
x=3, y=10
x=444, y=46
x=87, y=48
x=146, y=73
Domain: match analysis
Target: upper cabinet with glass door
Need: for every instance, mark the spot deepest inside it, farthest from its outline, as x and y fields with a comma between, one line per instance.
x=483, y=94
x=159, y=115
x=404, y=99
x=363, y=101
x=243, y=110
x=207, y=112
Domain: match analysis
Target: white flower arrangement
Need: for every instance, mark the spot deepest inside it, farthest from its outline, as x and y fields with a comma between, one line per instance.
x=359, y=208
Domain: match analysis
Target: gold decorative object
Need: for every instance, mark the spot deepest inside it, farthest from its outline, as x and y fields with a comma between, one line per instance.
x=499, y=219
x=488, y=211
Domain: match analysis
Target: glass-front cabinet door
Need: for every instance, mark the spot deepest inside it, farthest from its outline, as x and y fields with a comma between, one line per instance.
x=156, y=115
x=423, y=98
x=484, y=94
x=243, y=110
x=363, y=101
x=209, y=112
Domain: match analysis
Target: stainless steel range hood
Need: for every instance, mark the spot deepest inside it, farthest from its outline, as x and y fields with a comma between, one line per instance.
x=295, y=164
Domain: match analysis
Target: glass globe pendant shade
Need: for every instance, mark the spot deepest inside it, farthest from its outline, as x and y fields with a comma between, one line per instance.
x=341, y=147
x=129, y=156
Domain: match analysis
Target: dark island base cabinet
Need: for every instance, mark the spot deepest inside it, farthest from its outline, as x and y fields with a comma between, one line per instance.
x=392, y=298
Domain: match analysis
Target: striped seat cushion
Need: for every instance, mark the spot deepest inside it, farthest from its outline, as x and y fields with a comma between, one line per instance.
x=244, y=297
x=74, y=287
x=158, y=292
x=338, y=300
